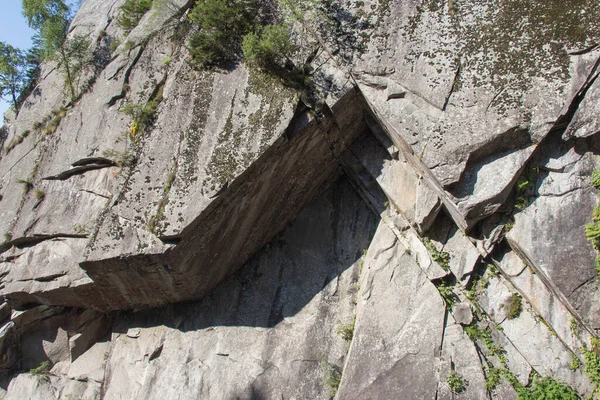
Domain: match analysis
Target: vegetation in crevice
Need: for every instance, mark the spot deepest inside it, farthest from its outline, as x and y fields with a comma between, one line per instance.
x=142, y=116
x=575, y=363
x=456, y=383
x=332, y=376
x=515, y=306
x=592, y=229
x=439, y=256
x=41, y=370
x=131, y=12
x=592, y=363
x=154, y=221
x=122, y=158
x=524, y=188
x=447, y=292
x=346, y=331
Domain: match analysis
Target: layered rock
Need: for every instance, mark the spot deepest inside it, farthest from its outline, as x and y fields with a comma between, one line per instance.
x=343, y=251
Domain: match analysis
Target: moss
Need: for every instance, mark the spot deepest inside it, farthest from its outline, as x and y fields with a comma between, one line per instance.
x=42, y=369
x=508, y=44
x=515, y=306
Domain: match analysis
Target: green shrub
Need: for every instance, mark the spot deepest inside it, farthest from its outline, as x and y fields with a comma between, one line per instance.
x=142, y=116
x=456, y=383
x=575, y=363
x=596, y=179
x=592, y=229
x=448, y=294
x=269, y=48
x=132, y=12
x=546, y=388
x=221, y=26
x=592, y=364
x=492, y=378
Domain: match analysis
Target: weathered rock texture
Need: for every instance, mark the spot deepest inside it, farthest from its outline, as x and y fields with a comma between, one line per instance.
x=417, y=234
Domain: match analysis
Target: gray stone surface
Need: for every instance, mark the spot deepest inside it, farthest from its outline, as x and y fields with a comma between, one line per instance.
x=399, y=328
x=565, y=199
x=460, y=356
x=267, y=330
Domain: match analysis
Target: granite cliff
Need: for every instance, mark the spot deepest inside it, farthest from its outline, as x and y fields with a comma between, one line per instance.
x=411, y=227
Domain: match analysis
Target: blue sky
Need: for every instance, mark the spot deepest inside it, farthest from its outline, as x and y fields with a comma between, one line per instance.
x=14, y=31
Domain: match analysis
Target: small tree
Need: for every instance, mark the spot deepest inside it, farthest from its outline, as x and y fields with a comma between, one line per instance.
x=51, y=18
x=72, y=56
x=12, y=72
x=221, y=25
x=269, y=48
x=131, y=13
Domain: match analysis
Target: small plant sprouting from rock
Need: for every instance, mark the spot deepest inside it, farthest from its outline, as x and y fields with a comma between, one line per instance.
x=592, y=229
x=440, y=257
x=574, y=327
x=524, y=187
x=41, y=370
x=592, y=363
x=27, y=185
x=81, y=229
x=142, y=116
x=7, y=237
x=448, y=294
x=332, y=376
x=456, y=383
x=346, y=331
x=515, y=306
x=39, y=194
x=492, y=377
x=575, y=363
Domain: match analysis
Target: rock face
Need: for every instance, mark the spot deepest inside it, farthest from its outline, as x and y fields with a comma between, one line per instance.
x=415, y=229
